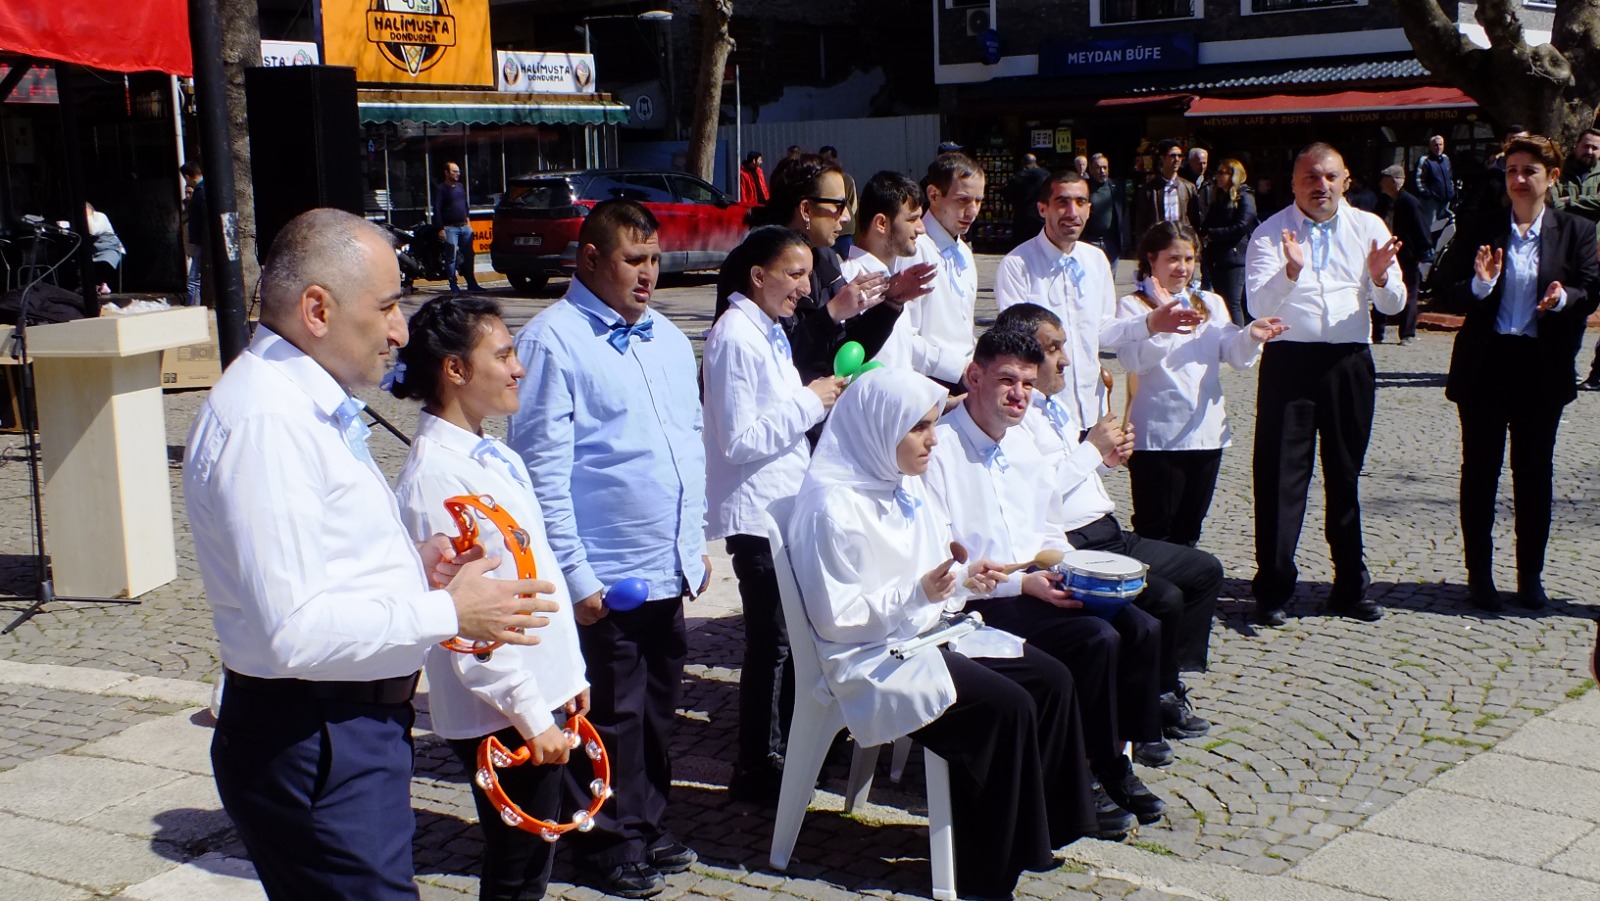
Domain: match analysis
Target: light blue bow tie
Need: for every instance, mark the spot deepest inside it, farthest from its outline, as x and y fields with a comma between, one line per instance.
x=1320, y=236
x=995, y=457
x=1070, y=267
x=780, y=341
x=1057, y=413
x=489, y=449
x=621, y=332
x=908, y=502
x=956, y=253
x=356, y=432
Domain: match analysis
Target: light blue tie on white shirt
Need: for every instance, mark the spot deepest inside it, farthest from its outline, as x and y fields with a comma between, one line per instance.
x=957, y=254
x=909, y=503
x=994, y=457
x=1320, y=250
x=780, y=341
x=1057, y=414
x=356, y=432
x=1072, y=269
x=489, y=449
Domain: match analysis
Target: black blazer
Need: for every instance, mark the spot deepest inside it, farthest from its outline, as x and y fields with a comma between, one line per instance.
x=1566, y=254
x=1228, y=227
x=1410, y=227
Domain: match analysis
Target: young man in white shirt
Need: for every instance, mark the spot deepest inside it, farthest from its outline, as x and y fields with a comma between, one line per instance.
x=321, y=600
x=1321, y=266
x=942, y=322
x=985, y=476
x=1182, y=585
x=888, y=224
x=1072, y=279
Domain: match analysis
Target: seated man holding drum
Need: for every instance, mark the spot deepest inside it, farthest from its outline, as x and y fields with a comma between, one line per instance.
x=986, y=476
x=1182, y=583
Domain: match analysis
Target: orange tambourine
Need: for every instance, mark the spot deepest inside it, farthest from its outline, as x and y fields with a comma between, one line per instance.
x=465, y=510
x=580, y=733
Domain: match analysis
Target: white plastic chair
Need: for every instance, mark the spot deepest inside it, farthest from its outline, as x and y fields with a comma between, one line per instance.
x=817, y=722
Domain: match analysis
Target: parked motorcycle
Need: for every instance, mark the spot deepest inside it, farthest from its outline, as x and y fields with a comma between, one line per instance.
x=421, y=252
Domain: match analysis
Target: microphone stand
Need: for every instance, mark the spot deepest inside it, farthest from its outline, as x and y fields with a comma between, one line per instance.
x=44, y=587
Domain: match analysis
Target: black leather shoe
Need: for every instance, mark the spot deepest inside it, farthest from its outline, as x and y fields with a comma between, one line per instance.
x=1484, y=596
x=1532, y=597
x=1271, y=616
x=1592, y=383
x=1112, y=823
x=673, y=857
x=1364, y=609
x=760, y=786
x=628, y=880
x=1152, y=753
x=1127, y=792
x=1177, y=716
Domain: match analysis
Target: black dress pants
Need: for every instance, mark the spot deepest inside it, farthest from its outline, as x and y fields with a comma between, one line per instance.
x=1172, y=492
x=1115, y=665
x=1227, y=279
x=1310, y=392
x=635, y=665
x=1508, y=408
x=1180, y=591
x=1018, y=784
x=1407, y=318
x=766, y=681
x=516, y=863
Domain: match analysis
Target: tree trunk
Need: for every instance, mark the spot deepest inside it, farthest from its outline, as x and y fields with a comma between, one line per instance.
x=241, y=47
x=1553, y=89
x=714, y=47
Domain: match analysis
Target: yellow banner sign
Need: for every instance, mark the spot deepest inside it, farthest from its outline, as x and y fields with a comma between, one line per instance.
x=416, y=42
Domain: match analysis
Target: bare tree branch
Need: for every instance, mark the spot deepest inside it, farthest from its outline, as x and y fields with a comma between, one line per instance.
x=714, y=46
x=1500, y=22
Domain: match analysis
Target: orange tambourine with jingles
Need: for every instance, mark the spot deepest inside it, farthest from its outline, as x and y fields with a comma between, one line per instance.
x=493, y=755
x=466, y=510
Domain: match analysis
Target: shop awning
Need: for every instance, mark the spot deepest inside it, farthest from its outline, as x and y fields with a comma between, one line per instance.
x=1339, y=102
x=510, y=112
x=132, y=36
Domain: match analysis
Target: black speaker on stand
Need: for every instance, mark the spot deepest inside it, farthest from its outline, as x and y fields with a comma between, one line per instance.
x=305, y=144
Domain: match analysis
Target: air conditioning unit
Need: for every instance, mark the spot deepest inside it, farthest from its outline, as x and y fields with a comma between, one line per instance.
x=978, y=21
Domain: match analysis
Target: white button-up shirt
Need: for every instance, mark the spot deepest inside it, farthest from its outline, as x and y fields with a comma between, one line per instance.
x=903, y=345
x=942, y=321
x=1078, y=464
x=756, y=417
x=1179, y=404
x=990, y=492
x=309, y=571
x=1078, y=288
x=1331, y=301
x=517, y=685
x=1519, y=302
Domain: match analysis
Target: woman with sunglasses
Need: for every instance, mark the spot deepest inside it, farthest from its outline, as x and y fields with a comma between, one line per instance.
x=1527, y=291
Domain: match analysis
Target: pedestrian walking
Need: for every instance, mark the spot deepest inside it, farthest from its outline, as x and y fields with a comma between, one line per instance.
x=452, y=215
x=1434, y=182
x=753, y=189
x=1231, y=218
x=1404, y=217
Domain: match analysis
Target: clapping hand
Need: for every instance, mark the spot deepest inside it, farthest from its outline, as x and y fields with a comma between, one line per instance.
x=1264, y=330
x=910, y=284
x=855, y=298
x=1379, y=259
x=1488, y=263
x=1294, y=255
x=1171, y=313
x=1552, y=296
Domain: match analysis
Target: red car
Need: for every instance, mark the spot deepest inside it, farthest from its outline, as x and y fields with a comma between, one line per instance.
x=536, y=223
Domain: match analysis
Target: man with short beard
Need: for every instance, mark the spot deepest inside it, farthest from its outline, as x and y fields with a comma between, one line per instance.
x=888, y=224
x=1167, y=196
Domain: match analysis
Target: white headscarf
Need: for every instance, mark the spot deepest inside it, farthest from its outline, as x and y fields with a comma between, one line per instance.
x=872, y=416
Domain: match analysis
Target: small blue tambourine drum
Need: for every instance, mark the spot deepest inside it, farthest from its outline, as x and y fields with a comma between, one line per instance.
x=1104, y=582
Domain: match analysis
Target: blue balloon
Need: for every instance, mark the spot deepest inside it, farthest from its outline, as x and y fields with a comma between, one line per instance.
x=627, y=594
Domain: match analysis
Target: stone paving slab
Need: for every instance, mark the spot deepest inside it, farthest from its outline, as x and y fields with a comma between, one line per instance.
x=1407, y=871
x=1535, y=784
x=37, y=721
x=1460, y=823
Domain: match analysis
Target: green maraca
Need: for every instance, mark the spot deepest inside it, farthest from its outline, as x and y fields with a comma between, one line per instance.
x=848, y=361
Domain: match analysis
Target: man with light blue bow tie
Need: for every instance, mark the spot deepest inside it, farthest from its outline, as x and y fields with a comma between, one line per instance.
x=1322, y=266
x=321, y=601
x=610, y=427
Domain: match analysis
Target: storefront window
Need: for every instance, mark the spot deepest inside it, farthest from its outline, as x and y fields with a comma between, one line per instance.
x=1253, y=7
x=1116, y=12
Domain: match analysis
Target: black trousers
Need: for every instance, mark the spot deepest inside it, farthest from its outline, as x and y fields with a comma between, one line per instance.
x=1310, y=392
x=1018, y=785
x=516, y=863
x=1506, y=409
x=1227, y=280
x=1172, y=492
x=635, y=665
x=1115, y=665
x=1407, y=318
x=320, y=792
x=766, y=681
x=1180, y=591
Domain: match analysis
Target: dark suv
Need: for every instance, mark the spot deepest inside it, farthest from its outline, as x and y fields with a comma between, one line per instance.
x=536, y=223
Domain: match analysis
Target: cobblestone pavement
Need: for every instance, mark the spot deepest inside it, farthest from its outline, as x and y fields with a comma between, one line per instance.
x=36, y=722
x=1318, y=725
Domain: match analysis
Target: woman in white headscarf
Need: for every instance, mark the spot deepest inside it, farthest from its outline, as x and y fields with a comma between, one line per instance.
x=869, y=552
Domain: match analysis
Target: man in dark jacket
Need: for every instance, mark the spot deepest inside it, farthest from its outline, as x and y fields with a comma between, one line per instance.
x=1403, y=214
x=1167, y=196
x=1434, y=182
x=1023, y=192
x=1108, y=211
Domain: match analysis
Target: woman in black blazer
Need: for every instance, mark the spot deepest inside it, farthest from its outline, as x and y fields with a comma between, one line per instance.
x=1528, y=290
x=1230, y=219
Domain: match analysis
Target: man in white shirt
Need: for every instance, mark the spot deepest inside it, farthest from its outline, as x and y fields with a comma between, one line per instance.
x=1072, y=279
x=321, y=601
x=1321, y=266
x=985, y=476
x=942, y=322
x=888, y=225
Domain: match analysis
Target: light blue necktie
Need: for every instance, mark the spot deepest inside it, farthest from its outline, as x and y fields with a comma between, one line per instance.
x=908, y=502
x=995, y=457
x=621, y=332
x=489, y=449
x=1072, y=269
x=356, y=432
x=956, y=254
x=1320, y=250
x=1057, y=414
x=780, y=341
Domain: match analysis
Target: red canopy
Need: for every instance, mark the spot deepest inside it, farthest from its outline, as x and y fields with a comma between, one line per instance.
x=125, y=36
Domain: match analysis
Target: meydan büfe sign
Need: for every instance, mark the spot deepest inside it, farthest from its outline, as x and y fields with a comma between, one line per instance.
x=431, y=42
x=535, y=72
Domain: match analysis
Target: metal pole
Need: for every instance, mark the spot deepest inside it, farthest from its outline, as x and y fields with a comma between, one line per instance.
x=586, y=47
x=222, y=231
x=738, y=129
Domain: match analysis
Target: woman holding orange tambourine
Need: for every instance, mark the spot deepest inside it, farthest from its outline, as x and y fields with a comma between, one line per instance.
x=461, y=364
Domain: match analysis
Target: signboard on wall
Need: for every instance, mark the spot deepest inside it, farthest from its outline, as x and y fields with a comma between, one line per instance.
x=37, y=86
x=1114, y=56
x=537, y=72
x=289, y=53
x=411, y=42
